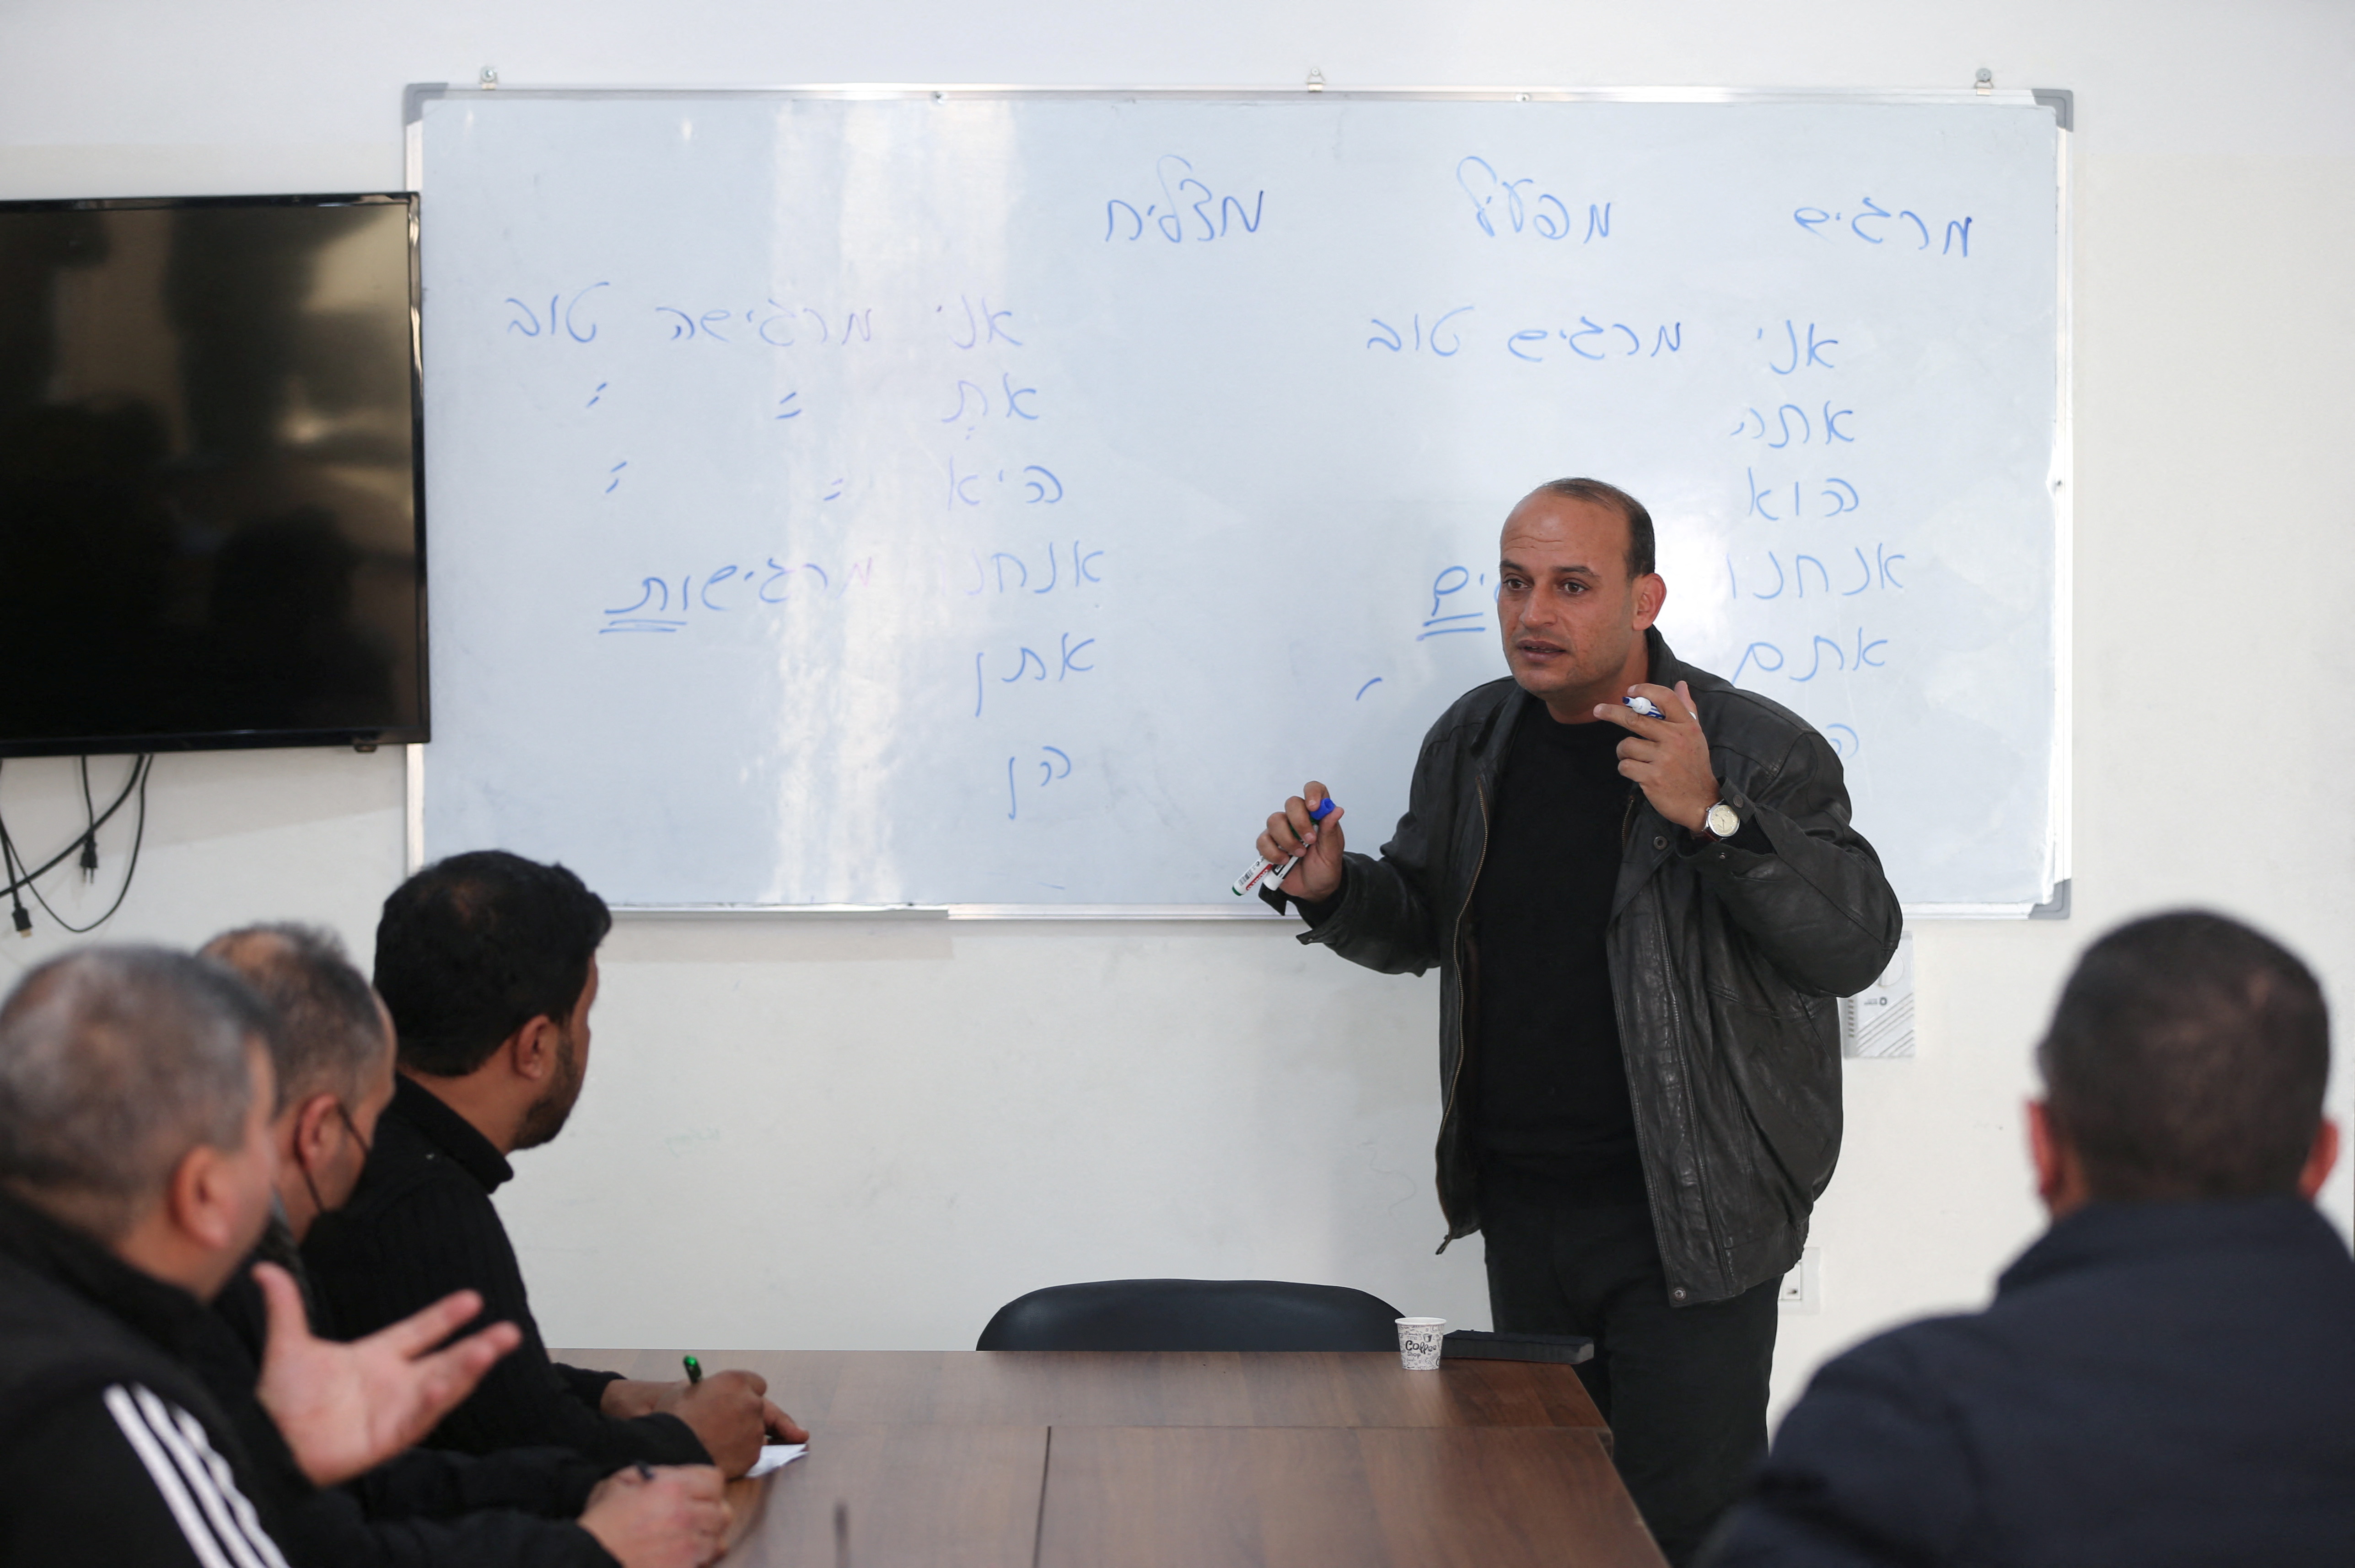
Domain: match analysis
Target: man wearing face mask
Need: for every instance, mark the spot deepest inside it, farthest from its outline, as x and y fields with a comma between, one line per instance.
x=518, y=1508
x=333, y=1055
x=488, y=965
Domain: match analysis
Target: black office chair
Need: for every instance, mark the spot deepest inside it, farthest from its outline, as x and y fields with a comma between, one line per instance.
x=1193, y=1315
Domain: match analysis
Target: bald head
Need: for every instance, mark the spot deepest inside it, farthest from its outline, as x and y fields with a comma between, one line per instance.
x=334, y=1035
x=115, y=1064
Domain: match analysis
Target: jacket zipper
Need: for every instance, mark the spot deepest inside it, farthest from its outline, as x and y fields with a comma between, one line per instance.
x=1455, y=950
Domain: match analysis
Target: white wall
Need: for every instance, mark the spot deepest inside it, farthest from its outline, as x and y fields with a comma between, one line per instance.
x=840, y=1134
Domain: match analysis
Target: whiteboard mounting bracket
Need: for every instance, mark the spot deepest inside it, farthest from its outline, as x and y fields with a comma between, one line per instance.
x=1315, y=81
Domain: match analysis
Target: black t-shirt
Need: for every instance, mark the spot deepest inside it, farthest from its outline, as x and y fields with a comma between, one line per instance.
x=1550, y=1089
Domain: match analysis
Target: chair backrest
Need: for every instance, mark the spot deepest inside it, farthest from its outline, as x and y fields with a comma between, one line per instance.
x=1193, y=1315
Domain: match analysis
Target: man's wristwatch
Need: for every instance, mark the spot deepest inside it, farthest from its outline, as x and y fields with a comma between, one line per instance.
x=1723, y=821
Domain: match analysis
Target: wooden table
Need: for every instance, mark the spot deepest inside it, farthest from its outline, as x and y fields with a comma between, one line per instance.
x=1073, y=1460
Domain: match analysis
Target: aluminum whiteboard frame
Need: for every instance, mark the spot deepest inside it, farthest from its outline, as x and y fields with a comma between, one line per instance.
x=2060, y=102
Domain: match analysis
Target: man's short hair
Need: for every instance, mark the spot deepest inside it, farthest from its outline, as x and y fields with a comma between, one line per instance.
x=474, y=947
x=2187, y=1059
x=330, y=1038
x=114, y=1063
x=1641, y=562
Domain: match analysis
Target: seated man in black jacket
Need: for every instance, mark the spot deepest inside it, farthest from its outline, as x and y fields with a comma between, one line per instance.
x=2167, y=1376
x=332, y=1053
x=489, y=963
x=135, y=1172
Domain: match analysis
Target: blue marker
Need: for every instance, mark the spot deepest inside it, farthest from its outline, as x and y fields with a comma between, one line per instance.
x=1644, y=706
x=1263, y=867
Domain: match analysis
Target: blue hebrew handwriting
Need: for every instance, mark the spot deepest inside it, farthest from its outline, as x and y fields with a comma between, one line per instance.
x=1503, y=206
x=728, y=590
x=1188, y=209
x=1880, y=571
x=1831, y=496
x=1442, y=340
x=1031, y=485
x=569, y=319
x=1450, y=614
x=1027, y=664
x=1054, y=763
x=1070, y=570
x=1901, y=231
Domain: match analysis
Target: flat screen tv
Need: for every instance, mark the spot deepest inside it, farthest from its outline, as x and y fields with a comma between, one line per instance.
x=212, y=527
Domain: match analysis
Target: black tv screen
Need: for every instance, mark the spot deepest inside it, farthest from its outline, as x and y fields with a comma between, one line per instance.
x=211, y=475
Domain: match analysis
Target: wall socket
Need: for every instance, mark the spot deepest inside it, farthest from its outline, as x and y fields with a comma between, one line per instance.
x=1803, y=1288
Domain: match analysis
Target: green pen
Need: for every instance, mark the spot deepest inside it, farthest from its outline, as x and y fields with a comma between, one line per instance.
x=694, y=1369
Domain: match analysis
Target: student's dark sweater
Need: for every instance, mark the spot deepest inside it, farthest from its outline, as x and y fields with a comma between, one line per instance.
x=420, y=1225
x=422, y=1507
x=2156, y=1385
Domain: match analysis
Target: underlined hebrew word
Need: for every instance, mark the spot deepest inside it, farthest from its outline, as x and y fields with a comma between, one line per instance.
x=1903, y=230
x=660, y=607
x=1186, y=203
x=1028, y=664
x=1449, y=614
x=1540, y=213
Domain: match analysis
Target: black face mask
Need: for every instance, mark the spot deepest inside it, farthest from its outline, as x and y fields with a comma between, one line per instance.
x=353, y=1130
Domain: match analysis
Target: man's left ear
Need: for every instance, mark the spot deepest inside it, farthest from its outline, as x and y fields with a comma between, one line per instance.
x=312, y=1120
x=1651, y=592
x=2319, y=1160
x=534, y=1049
x=204, y=1197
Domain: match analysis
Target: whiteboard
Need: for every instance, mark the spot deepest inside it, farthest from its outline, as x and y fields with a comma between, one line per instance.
x=1006, y=498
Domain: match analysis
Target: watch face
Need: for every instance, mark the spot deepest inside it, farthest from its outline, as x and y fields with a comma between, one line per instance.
x=1723, y=820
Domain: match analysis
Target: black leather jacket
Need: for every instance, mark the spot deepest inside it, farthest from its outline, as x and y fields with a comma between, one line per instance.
x=1725, y=966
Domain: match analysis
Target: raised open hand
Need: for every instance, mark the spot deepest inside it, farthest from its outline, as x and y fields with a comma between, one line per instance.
x=344, y=1409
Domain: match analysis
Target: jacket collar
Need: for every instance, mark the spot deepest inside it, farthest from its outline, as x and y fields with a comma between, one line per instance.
x=2104, y=1233
x=1496, y=735
x=448, y=1131
x=155, y=1309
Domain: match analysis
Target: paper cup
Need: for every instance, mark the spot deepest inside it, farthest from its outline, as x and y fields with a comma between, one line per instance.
x=1419, y=1343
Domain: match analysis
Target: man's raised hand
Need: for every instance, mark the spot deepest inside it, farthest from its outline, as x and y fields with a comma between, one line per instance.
x=344, y=1409
x=1290, y=832
x=1668, y=757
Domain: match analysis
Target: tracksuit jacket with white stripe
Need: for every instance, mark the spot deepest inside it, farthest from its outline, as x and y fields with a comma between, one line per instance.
x=116, y=1447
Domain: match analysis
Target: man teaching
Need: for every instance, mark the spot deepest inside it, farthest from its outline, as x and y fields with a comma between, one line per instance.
x=1641, y=925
